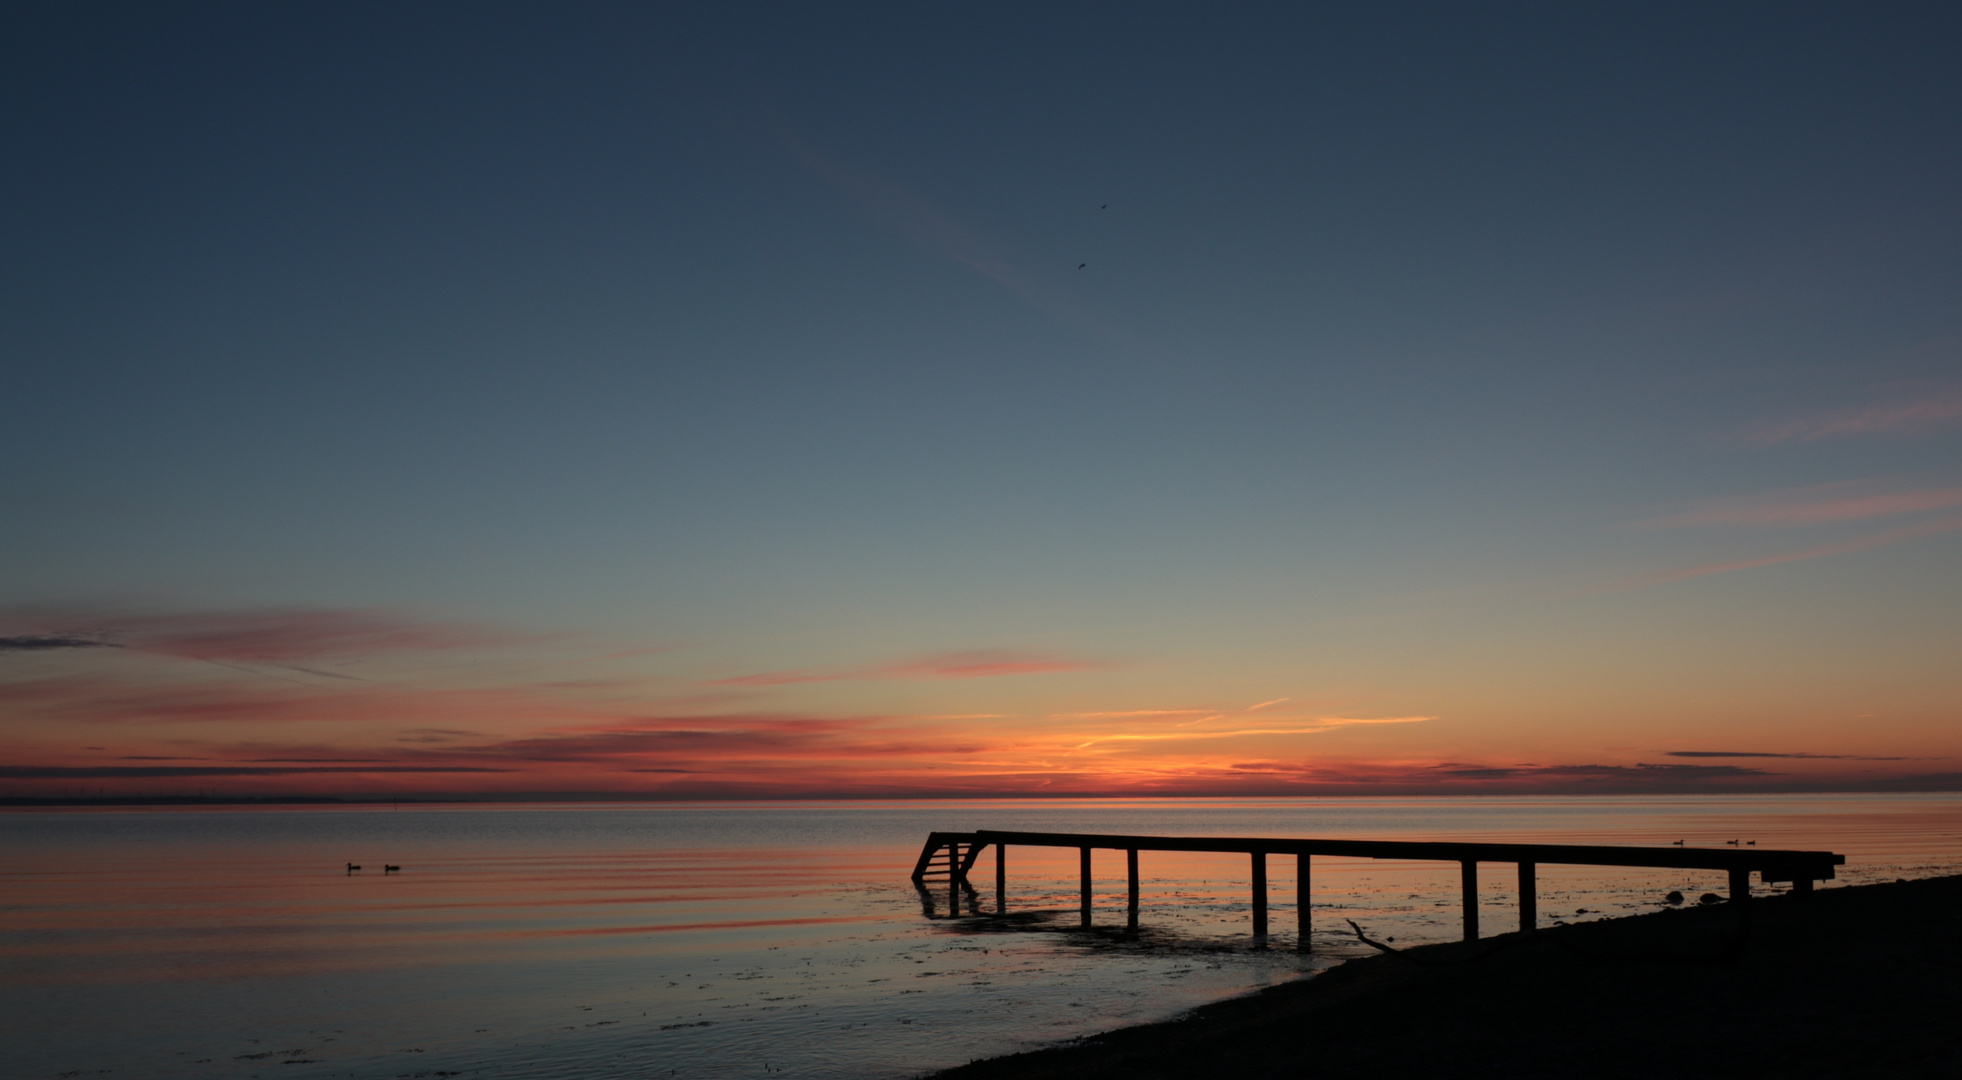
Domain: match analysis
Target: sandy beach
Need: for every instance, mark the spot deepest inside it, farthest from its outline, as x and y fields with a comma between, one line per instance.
x=1863, y=981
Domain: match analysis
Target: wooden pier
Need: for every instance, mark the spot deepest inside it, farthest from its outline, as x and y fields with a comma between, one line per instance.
x=950, y=857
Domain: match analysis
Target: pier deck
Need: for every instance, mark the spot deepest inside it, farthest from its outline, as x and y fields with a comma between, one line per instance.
x=952, y=855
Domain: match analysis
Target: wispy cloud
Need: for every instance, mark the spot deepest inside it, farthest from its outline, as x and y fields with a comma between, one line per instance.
x=1820, y=504
x=987, y=665
x=1184, y=736
x=984, y=664
x=1596, y=773
x=157, y=772
x=1933, y=410
x=1128, y=712
x=696, y=739
x=279, y=636
x=1310, y=726
x=936, y=231
x=48, y=642
x=786, y=678
x=96, y=699
x=434, y=735
x=1862, y=543
x=1769, y=754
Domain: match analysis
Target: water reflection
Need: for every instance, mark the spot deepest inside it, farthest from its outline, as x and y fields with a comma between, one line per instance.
x=931, y=900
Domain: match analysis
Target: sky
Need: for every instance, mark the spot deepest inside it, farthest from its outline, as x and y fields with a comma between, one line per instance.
x=733, y=401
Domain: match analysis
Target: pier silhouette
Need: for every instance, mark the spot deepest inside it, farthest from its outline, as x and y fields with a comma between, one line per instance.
x=951, y=856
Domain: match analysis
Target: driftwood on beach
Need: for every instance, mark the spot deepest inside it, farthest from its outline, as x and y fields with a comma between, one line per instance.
x=1862, y=981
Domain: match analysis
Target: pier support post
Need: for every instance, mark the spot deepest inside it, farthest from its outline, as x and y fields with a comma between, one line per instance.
x=1529, y=901
x=954, y=879
x=1001, y=879
x=1085, y=859
x=1301, y=918
x=1740, y=885
x=1469, y=874
x=1131, y=908
x=1260, y=894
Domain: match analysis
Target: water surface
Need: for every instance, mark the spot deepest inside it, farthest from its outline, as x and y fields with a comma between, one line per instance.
x=748, y=939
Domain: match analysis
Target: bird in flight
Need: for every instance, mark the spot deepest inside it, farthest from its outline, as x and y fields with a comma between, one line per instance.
x=1080, y=266
x=1106, y=206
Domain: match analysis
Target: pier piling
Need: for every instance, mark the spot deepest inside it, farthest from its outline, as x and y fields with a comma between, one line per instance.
x=1086, y=886
x=1260, y=895
x=1301, y=918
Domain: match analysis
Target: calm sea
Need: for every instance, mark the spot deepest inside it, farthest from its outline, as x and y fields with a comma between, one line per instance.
x=746, y=939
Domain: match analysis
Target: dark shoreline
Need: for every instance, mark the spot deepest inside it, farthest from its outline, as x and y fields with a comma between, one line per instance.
x=1859, y=981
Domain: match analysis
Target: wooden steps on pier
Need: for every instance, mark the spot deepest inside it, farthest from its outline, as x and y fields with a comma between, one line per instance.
x=947, y=856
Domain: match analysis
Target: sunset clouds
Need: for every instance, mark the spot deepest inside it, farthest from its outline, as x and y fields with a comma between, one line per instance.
x=161, y=712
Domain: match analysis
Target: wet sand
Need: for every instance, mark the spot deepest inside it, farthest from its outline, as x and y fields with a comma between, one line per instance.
x=1862, y=981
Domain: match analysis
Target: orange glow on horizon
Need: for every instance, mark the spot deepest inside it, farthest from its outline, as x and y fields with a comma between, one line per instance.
x=215, y=712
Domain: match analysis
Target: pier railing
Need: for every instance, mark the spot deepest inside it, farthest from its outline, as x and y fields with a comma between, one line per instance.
x=951, y=856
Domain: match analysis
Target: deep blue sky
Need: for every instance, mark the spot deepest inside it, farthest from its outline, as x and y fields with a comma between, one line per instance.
x=1408, y=338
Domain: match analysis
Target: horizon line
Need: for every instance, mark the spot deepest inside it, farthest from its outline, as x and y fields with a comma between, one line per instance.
x=547, y=797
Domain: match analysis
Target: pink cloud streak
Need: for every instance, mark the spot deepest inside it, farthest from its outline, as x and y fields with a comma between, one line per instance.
x=1864, y=543
x=1819, y=505
x=265, y=635
x=1928, y=414
x=96, y=699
